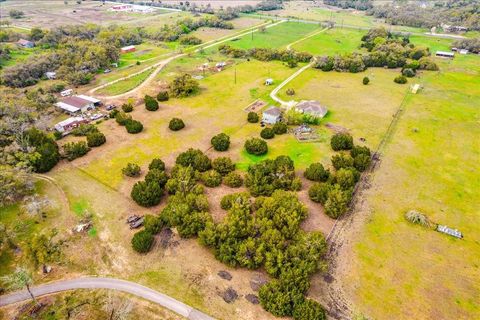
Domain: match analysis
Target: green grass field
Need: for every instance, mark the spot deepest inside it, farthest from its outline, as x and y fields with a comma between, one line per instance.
x=275, y=37
x=125, y=85
x=432, y=165
x=332, y=42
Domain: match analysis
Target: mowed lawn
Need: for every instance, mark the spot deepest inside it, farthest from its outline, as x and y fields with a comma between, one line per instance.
x=403, y=271
x=277, y=36
x=365, y=111
x=332, y=41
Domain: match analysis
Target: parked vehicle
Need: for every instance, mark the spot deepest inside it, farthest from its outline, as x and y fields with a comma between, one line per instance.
x=107, y=71
x=111, y=107
x=96, y=116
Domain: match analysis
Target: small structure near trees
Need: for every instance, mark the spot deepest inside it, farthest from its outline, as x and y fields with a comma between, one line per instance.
x=128, y=49
x=452, y=232
x=305, y=133
x=268, y=81
x=312, y=108
x=272, y=115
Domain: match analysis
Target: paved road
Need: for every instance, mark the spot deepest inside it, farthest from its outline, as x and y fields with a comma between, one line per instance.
x=108, y=283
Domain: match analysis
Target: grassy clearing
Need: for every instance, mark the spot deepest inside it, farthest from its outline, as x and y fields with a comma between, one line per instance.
x=18, y=55
x=404, y=271
x=331, y=42
x=433, y=43
x=147, y=51
x=275, y=37
x=125, y=85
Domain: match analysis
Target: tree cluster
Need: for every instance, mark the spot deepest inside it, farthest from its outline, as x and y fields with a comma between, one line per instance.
x=267, y=234
x=74, y=150
x=183, y=86
x=256, y=146
x=266, y=54
x=472, y=45
x=149, y=192
x=334, y=190
x=266, y=176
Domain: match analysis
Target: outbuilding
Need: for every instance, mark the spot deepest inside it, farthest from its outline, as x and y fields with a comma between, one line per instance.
x=445, y=54
x=25, y=43
x=51, y=75
x=312, y=108
x=69, y=124
x=268, y=81
x=127, y=49
x=272, y=115
x=78, y=104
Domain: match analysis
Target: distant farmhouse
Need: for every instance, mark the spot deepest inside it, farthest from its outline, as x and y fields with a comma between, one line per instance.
x=25, y=43
x=127, y=49
x=445, y=54
x=272, y=115
x=449, y=28
x=69, y=124
x=131, y=8
x=77, y=104
x=312, y=108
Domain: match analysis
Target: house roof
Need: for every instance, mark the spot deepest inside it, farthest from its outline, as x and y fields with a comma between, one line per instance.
x=88, y=98
x=67, y=107
x=445, y=53
x=128, y=48
x=73, y=104
x=273, y=111
x=24, y=42
x=312, y=107
x=68, y=121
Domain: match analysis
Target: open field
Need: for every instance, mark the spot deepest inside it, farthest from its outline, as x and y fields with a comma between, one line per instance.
x=52, y=13
x=125, y=85
x=431, y=165
x=206, y=34
x=331, y=42
x=275, y=37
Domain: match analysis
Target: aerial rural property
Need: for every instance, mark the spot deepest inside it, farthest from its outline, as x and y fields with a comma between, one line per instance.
x=251, y=160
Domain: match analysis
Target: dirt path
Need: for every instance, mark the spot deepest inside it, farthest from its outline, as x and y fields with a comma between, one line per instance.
x=108, y=283
x=63, y=196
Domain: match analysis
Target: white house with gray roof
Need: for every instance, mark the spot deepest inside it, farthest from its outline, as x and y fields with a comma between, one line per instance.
x=272, y=115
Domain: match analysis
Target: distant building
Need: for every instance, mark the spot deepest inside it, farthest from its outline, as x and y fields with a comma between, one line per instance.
x=77, y=104
x=51, y=75
x=25, y=43
x=445, y=54
x=463, y=51
x=449, y=28
x=272, y=115
x=415, y=88
x=311, y=107
x=69, y=124
x=127, y=49
x=66, y=93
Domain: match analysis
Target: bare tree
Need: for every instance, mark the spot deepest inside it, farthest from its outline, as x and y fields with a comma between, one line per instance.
x=117, y=308
x=21, y=278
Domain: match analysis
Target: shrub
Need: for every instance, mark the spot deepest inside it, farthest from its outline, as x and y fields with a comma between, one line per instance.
x=127, y=107
x=176, y=124
x=337, y=202
x=256, y=146
x=131, y=170
x=162, y=95
x=366, y=80
x=212, y=178
x=400, y=80
x=290, y=92
x=194, y=158
x=268, y=175
x=156, y=176
x=45, y=147
x=183, y=86
x=308, y=310
x=228, y=200
x=416, y=217
x=95, y=139
x=223, y=165
x=318, y=192
x=233, y=180
x=342, y=160
x=189, y=40
x=427, y=64
x=220, y=142
x=356, y=150
x=345, y=178
x=133, y=126
x=142, y=241
x=316, y=172
x=153, y=224
x=280, y=128
x=409, y=73
x=252, y=117
x=361, y=162
x=74, y=150
x=146, y=194
x=157, y=164
x=112, y=114
x=84, y=129
x=267, y=133
x=150, y=103
x=341, y=141
x=122, y=118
